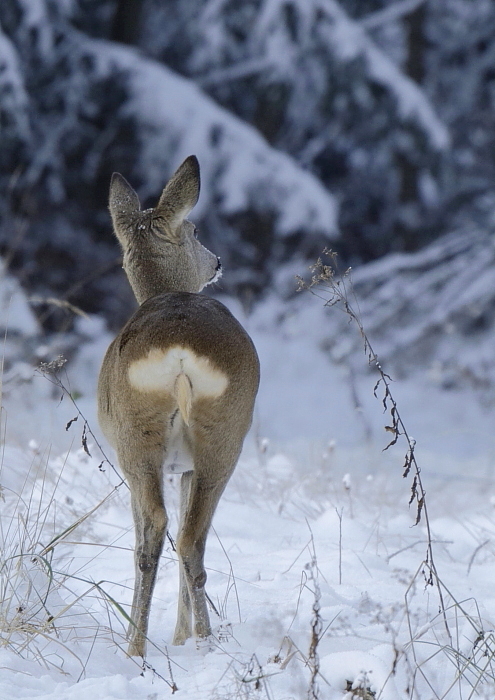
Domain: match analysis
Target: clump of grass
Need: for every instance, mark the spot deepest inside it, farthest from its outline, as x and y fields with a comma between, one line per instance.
x=469, y=653
x=49, y=611
x=39, y=618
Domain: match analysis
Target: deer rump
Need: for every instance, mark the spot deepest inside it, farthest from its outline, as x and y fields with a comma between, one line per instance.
x=179, y=372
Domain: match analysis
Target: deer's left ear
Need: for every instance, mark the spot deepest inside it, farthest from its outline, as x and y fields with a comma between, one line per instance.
x=123, y=204
x=178, y=198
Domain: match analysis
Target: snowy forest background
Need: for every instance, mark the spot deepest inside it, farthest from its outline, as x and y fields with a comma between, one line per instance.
x=364, y=126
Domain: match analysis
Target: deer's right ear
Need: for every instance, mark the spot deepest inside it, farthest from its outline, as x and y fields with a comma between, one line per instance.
x=123, y=202
x=179, y=197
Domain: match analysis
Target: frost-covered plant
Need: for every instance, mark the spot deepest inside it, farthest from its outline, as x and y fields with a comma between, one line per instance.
x=335, y=289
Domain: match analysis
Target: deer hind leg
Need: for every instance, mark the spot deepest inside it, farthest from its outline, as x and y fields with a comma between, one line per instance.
x=183, y=629
x=144, y=475
x=206, y=487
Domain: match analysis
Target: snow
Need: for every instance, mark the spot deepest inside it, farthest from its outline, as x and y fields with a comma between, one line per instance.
x=315, y=517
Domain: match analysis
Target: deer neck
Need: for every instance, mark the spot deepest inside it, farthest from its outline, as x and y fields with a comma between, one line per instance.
x=148, y=279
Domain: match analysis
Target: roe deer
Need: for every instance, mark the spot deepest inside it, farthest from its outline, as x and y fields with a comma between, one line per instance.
x=176, y=391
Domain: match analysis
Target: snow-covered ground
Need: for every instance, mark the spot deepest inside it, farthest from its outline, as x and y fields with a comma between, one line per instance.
x=313, y=539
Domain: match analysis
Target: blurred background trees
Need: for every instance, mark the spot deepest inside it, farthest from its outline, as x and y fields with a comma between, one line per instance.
x=368, y=123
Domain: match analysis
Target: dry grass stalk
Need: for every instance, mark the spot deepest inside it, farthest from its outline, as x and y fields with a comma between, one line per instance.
x=335, y=289
x=313, y=659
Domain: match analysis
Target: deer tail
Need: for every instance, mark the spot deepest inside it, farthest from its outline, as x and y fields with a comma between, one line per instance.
x=183, y=396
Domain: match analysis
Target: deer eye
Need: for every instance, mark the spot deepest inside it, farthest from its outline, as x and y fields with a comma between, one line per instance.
x=195, y=232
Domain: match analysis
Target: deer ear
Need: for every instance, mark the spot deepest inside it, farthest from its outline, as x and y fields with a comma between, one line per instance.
x=123, y=203
x=178, y=198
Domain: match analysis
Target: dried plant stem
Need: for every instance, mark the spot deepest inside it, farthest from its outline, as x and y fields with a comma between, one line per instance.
x=328, y=284
x=339, y=515
x=316, y=627
x=51, y=372
x=59, y=303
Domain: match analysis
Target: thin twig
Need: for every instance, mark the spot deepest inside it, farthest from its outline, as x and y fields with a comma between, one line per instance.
x=339, y=515
x=50, y=371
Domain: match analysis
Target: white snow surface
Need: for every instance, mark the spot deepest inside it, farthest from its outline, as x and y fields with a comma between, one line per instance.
x=316, y=517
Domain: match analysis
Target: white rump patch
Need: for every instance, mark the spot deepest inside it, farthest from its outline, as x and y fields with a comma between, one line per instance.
x=158, y=372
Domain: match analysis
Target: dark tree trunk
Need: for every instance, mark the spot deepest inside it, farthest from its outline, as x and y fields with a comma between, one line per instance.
x=416, y=44
x=127, y=21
